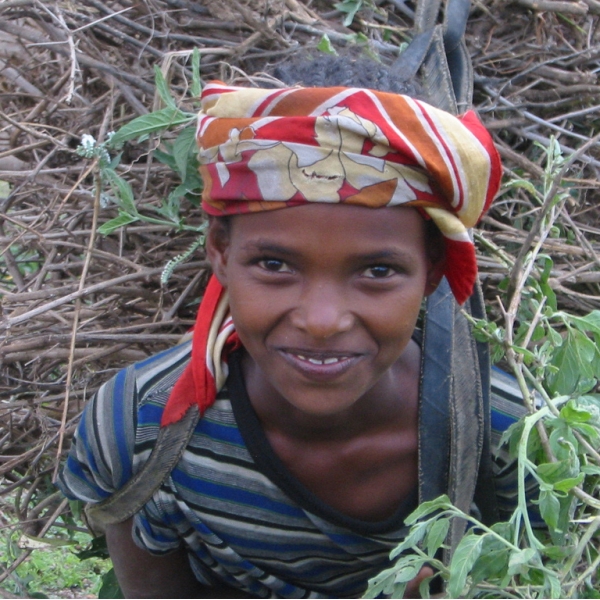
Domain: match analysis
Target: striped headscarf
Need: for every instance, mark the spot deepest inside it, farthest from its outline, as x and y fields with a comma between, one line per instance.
x=262, y=149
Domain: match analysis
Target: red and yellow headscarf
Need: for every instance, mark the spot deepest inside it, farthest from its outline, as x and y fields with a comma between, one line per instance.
x=263, y=149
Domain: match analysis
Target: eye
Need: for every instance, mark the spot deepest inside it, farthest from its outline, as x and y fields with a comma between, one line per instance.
x=274, y=265
x=379, y=272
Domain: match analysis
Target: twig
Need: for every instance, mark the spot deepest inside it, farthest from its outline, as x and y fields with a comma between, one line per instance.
x=570, y=8
x=82, y=280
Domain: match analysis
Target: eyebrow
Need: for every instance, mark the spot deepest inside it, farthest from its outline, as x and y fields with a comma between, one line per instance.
x=376, y=256
x=385, y=255
x=267, y=247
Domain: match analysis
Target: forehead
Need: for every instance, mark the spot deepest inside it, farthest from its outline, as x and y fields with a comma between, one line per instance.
x=338, y=227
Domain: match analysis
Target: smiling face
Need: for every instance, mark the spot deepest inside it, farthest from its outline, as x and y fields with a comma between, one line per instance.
x=324, y=299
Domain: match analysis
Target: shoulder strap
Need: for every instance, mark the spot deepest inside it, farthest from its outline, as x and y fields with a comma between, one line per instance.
x=455, y=409
x=454, y=420
x=130, y=499
x=439, y=53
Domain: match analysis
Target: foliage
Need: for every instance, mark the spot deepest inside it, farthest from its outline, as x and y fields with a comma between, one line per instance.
x=179, y=155
x=350, y=8
x=554, y=357
x=53, y=568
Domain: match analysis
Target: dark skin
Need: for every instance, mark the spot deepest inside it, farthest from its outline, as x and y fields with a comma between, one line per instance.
x=330, y=367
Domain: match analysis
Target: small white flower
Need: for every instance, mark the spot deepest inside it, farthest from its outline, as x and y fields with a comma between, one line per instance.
x=87, y=146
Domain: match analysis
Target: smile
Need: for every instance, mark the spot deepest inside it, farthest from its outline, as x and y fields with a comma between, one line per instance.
x=320, y=366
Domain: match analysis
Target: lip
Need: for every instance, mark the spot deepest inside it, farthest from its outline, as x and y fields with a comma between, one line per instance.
x=320, y=366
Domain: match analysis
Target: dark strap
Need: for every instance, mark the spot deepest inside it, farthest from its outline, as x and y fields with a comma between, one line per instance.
x=454, y=426
x=454, y=413
x=130, y=499
x=439, y=51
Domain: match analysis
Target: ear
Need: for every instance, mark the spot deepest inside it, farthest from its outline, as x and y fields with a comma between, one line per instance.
x=217, y=247
x=435, y=272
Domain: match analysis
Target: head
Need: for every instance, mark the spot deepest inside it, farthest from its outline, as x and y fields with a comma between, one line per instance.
x=334, y=212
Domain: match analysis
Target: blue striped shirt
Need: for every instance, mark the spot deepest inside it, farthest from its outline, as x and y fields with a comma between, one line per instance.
x=245, y=520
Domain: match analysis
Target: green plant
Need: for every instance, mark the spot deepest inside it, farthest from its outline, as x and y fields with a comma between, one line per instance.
x=179, y=154
x=53, y=566
x=351, y=7
x=554, y=357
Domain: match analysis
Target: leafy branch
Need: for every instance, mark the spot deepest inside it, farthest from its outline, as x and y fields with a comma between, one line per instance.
x=179, y=155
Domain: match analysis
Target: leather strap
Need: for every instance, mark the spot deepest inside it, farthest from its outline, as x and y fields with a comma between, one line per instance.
x=127, y=501
x=454, y=419
x=446, y=69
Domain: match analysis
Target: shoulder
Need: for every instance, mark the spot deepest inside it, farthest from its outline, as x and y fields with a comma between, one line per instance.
x=101, y=459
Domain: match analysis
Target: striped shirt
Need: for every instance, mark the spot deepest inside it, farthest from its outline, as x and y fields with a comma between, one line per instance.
x=245, y=520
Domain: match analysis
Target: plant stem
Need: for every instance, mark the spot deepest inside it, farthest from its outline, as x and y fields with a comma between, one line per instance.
x=581, y=546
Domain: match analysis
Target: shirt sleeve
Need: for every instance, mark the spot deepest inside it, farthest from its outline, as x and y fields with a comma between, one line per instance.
x=100, y=459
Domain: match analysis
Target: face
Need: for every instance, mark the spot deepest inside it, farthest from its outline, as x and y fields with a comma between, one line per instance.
x=324, y=298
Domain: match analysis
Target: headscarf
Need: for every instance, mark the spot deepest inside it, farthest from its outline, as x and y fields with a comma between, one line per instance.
x=265, y=149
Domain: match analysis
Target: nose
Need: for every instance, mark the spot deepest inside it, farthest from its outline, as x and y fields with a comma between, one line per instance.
x=322, y=311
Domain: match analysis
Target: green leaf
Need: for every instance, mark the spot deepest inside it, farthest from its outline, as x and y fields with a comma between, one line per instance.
x=554, y=336
x=183, y=147
x=350, y=7
x=436, y=535
x=465, y=555
x=591, y=322
x=549, y=508
x=166, y=158
x=568, y=484
x=557, y=553
x=490, y=565
x=519, y=560
x=426, y=508
x=555, y=471
x=120, y=221
x=196, y=87
x=151, y=123
x=523, y=184
x=573, y=361
x=162, y=87
x=416, y=534
x=406, y=572
x=552, y=587
x=110, y=586
x=122, y=190
x=548, y=264
x=572, y=414
x=590, y=469
x=550, y=296
x=564, y=444
x=512, y=437
x=325, y=45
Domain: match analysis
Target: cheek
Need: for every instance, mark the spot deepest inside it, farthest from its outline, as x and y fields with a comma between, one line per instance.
x=254, y=312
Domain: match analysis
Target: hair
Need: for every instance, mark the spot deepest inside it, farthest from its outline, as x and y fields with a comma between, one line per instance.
x=347, y=70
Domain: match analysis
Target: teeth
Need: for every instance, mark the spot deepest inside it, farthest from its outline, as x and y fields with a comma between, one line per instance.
x=317, y=361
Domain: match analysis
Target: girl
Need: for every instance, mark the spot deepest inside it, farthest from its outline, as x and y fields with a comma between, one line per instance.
x=334, y=212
